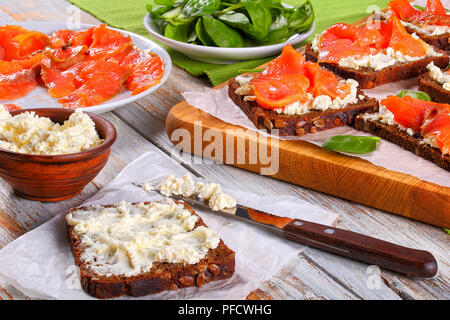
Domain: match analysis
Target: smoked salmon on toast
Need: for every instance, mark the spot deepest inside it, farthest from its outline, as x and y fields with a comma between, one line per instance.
x=292, y=96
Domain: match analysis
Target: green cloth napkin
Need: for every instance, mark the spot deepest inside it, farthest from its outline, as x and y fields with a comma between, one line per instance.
x=129, y=15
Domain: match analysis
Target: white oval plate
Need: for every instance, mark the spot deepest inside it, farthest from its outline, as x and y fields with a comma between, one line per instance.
x=39, y=97
x=223, y=55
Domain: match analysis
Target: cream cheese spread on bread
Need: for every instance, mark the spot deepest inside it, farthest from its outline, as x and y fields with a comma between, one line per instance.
x=380, y=60
x=31, y=134
x=439, y=76
x=324, y=102
x=127, y=239
x=186, y=186
x=387, y=117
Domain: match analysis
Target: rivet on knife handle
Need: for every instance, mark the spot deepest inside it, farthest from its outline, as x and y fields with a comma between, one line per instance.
x=356, y=246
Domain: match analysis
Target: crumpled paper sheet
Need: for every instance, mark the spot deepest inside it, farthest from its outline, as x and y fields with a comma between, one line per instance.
x=40, y=263
x=388, y=155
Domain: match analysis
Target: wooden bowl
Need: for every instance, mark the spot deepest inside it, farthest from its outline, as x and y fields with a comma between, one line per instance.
x=56, y=177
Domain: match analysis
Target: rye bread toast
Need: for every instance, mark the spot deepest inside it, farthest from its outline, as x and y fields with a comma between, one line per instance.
x=298, y=125
x=433, y=89
x=218, y=264
x=401, y=138
x=440, y=42
x=368, y=78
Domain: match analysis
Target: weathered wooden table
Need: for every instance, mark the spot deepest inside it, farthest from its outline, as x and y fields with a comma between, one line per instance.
x=313, y=274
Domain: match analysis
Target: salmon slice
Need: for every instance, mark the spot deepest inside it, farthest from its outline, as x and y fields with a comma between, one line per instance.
x=439, y=128
x=69, y=38
x=278, y=91
x=322, y=82
x=283, y=81
x=343, y=40
x=402, y=41
x=11, y=107
x=100, y=81
x=146, y=70
x=10, y=49
x=19, y=43
x=31, y=42
x=107, y=42
x=434, y=12
x=60, y=83
x=15, y=80
x=412, y=113
x=404, y=10
x=289, y=62
x=66, y=57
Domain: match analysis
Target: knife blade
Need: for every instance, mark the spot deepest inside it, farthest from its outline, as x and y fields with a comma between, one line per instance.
x=356, y=246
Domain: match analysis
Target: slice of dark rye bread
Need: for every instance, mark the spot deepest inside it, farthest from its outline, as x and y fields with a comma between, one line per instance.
x=401, y=138
x=440, y=42
x=433, y=89
x=368, y=78
x=298, y=125
x=217, y=265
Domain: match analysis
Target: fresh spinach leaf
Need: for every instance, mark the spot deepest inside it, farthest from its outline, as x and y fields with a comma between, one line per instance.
x=180, y=32
x=351, y=144
x=195, y=8
x=202, y=34
x=176, y=17
x=301, y=18
x=221, y=34
x=260, y=17
x=414, y=94
x=279, y=30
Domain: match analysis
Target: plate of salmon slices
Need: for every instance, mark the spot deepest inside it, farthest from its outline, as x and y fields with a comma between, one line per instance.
x=95, y=67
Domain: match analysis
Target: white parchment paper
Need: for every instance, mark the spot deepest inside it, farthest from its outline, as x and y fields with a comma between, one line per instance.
x=41, y=265
x=388, y=155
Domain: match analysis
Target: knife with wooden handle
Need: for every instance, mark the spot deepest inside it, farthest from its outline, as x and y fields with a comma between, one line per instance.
x=412, y=262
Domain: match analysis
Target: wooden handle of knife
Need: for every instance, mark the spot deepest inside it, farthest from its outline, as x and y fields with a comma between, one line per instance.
x=356, y=246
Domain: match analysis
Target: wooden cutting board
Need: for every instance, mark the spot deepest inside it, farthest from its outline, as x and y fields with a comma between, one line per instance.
x=310, y=166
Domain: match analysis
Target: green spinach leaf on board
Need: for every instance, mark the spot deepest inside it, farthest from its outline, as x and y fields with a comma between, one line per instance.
x=351, y=144
x=414, y=94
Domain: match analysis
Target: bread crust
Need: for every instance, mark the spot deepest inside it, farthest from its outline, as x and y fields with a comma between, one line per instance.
x=218, y=264
x=370, y=78
x=433, y=89
x=401, y=138
x=298, y=125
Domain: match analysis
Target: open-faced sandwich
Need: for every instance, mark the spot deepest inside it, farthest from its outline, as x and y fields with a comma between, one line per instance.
x=374, y=54
x=145, y=248
x=432, y=24
x=436, y=83
x=297, y=97
x=420, y=126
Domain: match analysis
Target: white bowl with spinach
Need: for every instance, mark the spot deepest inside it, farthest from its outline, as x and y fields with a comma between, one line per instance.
x=226, y=31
